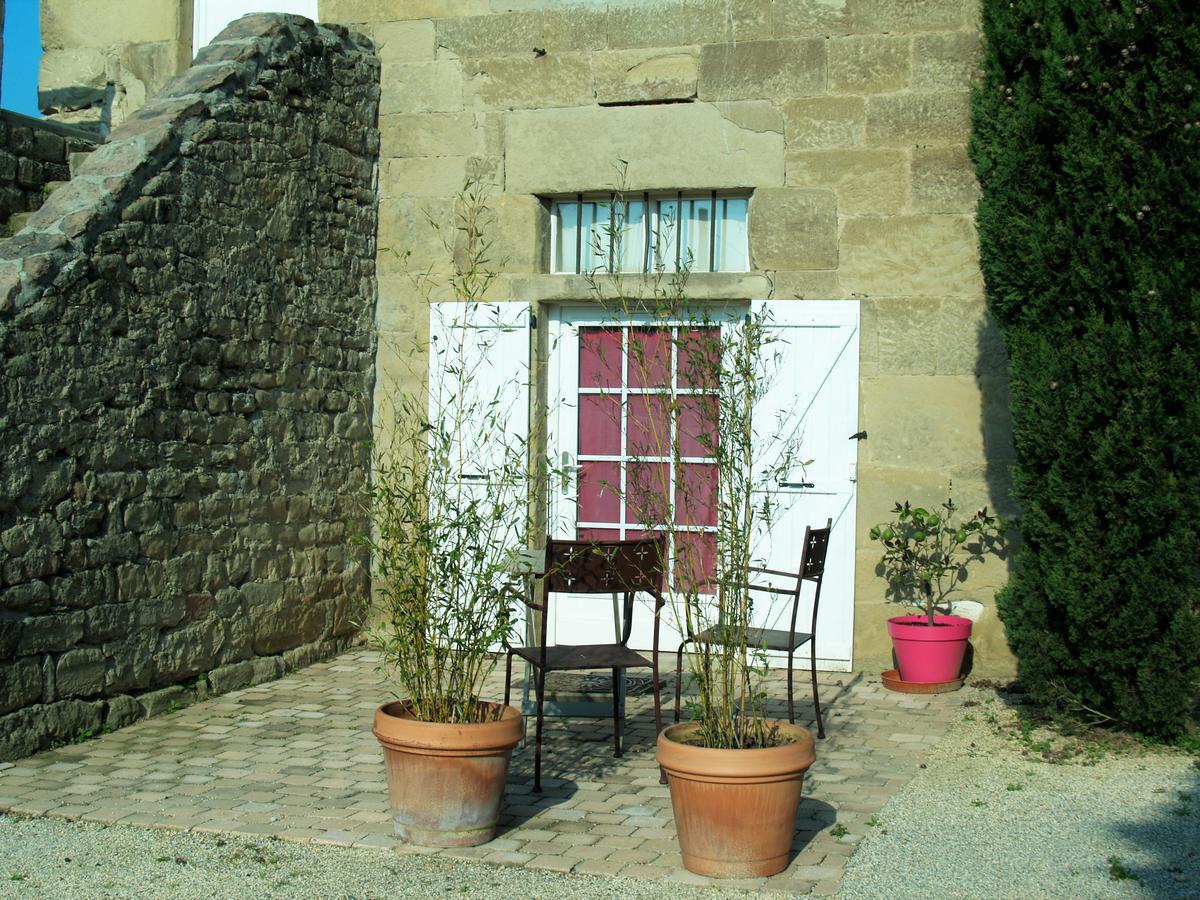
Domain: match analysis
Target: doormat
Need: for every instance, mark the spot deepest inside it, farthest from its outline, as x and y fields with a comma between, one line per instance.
x=601, y=683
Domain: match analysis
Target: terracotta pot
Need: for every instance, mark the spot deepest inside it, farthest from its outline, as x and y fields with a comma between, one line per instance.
x=735, y=810
x=445, y=781
x=929, y=655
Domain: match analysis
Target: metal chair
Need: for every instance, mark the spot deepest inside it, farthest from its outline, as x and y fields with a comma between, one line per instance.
x=812, y=568
x=594, y=567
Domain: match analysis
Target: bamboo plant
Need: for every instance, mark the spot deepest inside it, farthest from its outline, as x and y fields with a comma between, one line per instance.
x=442, y=545
x=723, y=366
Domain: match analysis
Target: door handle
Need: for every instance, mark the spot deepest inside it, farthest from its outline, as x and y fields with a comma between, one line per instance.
x=570, y=471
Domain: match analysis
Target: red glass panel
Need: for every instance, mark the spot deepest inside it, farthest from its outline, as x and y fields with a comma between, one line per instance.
x=649, y=429
x=649, y=357
x=598, y=534
x=699, y=358
x=599, y=492
x=647, y=487
x=697, y=416
x=696, y=561
x=600, y=424
x=599, y=357
x=696, y=494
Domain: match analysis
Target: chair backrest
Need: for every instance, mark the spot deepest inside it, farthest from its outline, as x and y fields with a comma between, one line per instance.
x=816, y=545
x=606, y=567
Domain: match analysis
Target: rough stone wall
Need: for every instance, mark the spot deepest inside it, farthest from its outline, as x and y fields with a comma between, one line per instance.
x=186, y=336
x=104, y=58
x=33, y=154
x=847, y=118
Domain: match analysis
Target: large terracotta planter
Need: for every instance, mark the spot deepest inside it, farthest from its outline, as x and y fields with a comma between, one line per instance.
x=735, y=810
x=445, y=781
x=929, y=655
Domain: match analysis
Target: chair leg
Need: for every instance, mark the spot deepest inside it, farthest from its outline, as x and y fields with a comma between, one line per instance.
x=508, y=678
x=791, y=700
x=537, y=746
x=816, y=700
x=679, y=676
x=662, y=775
x=616, y=692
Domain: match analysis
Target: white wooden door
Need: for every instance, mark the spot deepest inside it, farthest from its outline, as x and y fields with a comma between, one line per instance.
x=814, y=364
x=814, y=396
x=479, y=382
x=210, y=16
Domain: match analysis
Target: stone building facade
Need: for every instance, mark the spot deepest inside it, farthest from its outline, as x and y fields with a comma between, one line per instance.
x=843, y=121
x=186, y=335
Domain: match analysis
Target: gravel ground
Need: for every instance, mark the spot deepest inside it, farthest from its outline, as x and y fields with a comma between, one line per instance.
x=49, y=858
x=984, y=820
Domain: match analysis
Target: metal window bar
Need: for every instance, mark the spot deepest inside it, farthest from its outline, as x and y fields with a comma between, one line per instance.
x=712, y=235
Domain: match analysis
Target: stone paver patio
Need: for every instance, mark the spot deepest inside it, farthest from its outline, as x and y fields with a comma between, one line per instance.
x=295, y=759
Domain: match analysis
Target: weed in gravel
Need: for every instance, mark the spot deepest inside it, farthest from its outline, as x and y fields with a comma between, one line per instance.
x=874, y=822
x=978, y=803
x=16, y=876
x=1013, y=786
x=838, y=830
x=1118, y=872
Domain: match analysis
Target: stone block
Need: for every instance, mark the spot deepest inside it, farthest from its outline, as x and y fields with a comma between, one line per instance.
x=824, y=122
x=530, y=82
x=573, y=28
x=924, y=422
x=969, y=343
x=80, y=673
x=910, y=256
x=20, y=683
x=421, y=87
x=902, y=120
x=403, y=42
x=791, y=228
x=905, y=336
x=169, y=699
x=663, y=23
x=892, y=16
x=103, y=23
x=869, y=64
x=266, y=668
x=757, y=70
x=353, y=11
x=120, y=711
x=866, y=182
x=429, y=134
x=545, y=153
x=53, y=633
x=645, y=76
x=943, y=181
x=231, y=677
x=946, y=62
x=500, y=34
x=131, y=660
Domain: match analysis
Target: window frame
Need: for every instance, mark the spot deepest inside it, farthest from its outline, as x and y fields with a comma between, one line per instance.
x=652, y=216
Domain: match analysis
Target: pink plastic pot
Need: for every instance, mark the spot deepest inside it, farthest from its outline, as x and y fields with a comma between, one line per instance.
x=929, y=654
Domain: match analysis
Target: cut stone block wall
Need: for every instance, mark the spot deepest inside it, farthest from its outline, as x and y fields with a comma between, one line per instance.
x=847, y=118
x=186, y=334
x=33, y=153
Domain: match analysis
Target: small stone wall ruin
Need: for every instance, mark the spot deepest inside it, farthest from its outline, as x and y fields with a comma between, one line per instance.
x=33, y=154
x=186, y=334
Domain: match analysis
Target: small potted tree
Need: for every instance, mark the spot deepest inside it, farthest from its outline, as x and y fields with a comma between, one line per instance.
x=925, y=556
x=445, y=583
x=735, y=773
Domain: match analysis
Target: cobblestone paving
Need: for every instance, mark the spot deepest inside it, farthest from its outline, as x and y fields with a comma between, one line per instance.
x=296, y=759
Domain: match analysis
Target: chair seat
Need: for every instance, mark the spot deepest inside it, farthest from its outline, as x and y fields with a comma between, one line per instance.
x=768, y=638
x=583, y=656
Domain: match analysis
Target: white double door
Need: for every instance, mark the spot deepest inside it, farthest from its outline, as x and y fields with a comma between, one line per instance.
x=598, y=403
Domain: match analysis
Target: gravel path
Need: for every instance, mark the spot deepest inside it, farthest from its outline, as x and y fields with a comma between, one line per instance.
x=52, y=858
x=982, y=820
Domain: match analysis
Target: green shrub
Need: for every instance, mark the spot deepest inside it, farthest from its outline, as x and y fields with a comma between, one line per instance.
x=1087, y=146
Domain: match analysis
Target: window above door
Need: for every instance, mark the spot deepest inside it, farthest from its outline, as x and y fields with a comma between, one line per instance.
x=649, y=232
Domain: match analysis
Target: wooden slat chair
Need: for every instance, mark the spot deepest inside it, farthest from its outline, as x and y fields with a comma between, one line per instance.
x=812, y=568
x=594, y=567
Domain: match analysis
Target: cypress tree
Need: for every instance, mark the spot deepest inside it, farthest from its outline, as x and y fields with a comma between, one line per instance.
x=1086, y=142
